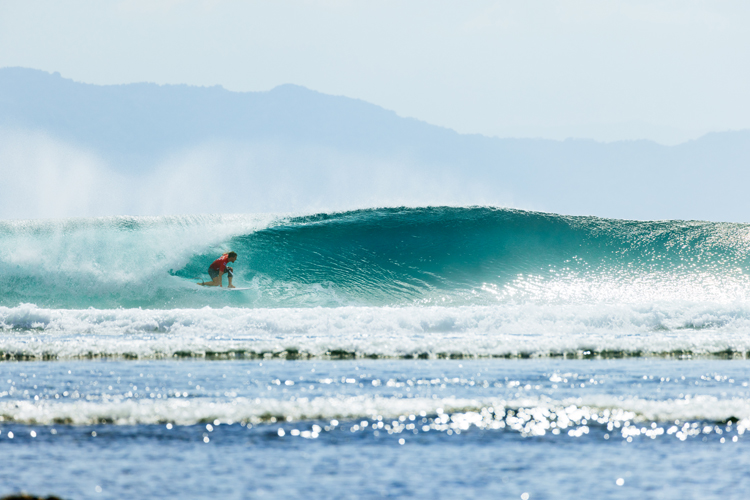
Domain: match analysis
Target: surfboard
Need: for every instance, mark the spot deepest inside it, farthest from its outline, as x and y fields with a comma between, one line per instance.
x=224, y=288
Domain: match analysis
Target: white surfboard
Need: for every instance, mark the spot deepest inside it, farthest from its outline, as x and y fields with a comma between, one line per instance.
x=223, y=287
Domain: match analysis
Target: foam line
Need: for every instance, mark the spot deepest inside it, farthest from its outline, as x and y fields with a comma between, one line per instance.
x=602, y=409
x=30, y=332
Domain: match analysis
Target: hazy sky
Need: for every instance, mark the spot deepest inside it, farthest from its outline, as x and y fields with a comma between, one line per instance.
x=662, y=69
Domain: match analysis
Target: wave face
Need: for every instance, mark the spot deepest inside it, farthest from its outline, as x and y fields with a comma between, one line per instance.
x=394, y=257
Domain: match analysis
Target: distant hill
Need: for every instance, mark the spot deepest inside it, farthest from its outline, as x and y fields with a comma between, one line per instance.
x=346, y=149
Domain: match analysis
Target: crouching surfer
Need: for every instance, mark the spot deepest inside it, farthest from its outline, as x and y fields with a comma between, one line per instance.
x=218, y=268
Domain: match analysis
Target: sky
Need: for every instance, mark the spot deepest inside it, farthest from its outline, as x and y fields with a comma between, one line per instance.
x=666, y=70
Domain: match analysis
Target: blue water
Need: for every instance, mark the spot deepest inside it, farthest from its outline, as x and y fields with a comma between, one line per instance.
x=413, y=352
x=226, y=440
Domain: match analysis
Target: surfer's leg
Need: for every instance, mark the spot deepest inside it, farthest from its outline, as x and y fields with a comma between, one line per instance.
x=230, y=275
x=215, y=278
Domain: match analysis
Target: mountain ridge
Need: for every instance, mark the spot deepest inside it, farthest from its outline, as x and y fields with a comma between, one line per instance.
x=134, y=127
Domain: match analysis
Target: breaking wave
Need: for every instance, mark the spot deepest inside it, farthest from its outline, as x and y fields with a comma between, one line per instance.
x=377, y=257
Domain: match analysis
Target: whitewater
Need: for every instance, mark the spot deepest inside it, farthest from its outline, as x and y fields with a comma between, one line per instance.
x=449, y=351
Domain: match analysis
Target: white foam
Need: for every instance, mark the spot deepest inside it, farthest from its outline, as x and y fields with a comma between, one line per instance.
x=502, y=330
x=107, y=250
x=571, y=412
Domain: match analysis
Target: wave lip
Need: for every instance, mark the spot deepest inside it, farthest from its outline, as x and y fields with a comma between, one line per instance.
x=526, y=330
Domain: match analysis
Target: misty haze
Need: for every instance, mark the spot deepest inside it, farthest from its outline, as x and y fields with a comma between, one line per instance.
x=144, y=149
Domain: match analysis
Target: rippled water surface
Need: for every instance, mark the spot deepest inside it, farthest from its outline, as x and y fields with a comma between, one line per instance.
x=645, y=428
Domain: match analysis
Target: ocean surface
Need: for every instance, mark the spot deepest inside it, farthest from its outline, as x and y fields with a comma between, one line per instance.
x=437, y=352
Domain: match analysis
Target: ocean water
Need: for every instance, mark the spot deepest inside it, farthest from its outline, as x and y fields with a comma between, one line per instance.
x=439, y=352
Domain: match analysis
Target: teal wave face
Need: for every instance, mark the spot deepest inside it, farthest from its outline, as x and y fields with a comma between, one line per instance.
x=436, y=255
x=394, y=255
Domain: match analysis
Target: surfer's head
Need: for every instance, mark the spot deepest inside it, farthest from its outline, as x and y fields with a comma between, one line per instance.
x=232, y=256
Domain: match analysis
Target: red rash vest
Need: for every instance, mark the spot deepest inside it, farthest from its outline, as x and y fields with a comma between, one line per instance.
x=221, y=262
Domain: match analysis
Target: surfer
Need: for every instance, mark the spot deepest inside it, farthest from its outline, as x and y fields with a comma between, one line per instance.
x=218, y=268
